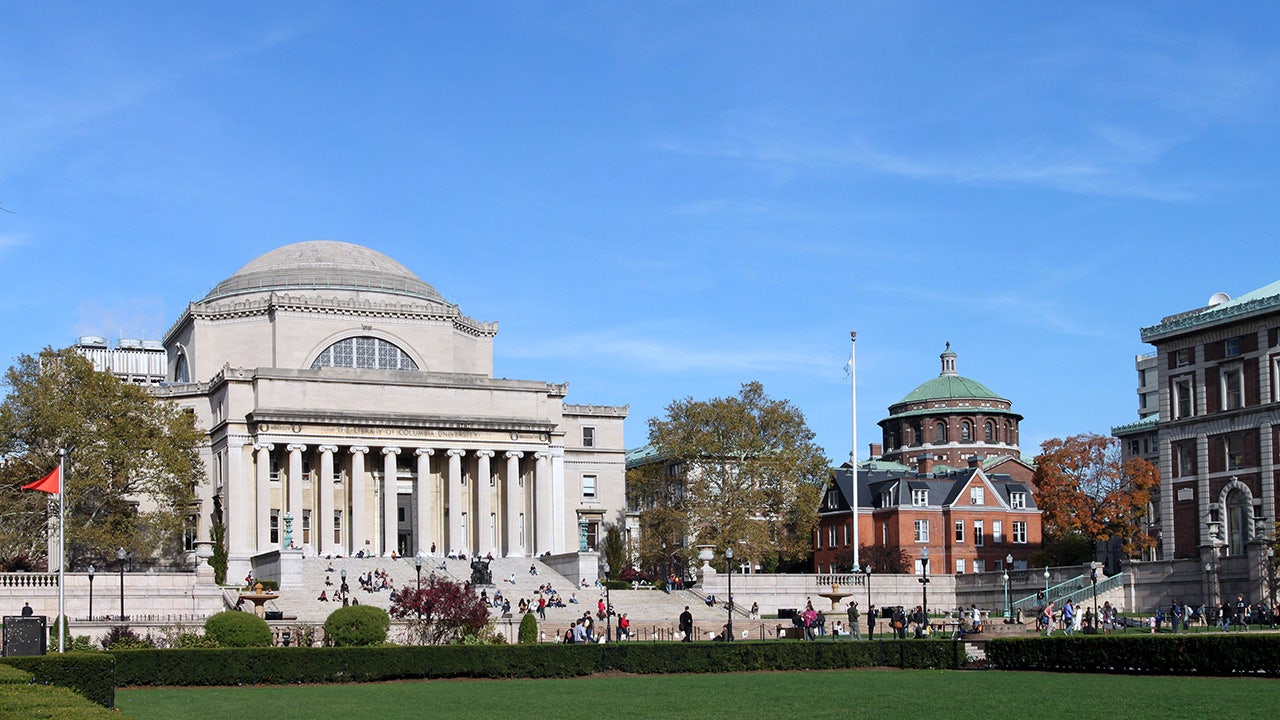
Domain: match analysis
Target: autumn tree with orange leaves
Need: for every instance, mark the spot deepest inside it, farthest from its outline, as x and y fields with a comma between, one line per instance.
x=1085, y=487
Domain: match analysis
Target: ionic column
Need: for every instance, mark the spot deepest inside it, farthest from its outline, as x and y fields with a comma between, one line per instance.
x=324, y=505
x=262, y=502
x=422, y=495
x=358, y=534
x=484, y=477
x=237, y=504
x=389, y=525
x=295, y=489
x=512, y=484
x=542, y=502
x=456, y=541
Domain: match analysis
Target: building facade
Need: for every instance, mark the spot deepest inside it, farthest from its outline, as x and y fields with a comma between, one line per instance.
x=351, y=409
x=1216, y=438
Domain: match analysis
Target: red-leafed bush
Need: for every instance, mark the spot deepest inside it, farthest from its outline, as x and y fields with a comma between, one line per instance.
x=441, y=611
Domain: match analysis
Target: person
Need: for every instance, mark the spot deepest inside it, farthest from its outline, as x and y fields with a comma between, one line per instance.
x=323, y=597
x=580, y=636
x=710, y=600
x=600, y=609
x=26, y=610
x=568, y=635
x=1241, y=611
x=871, y=623
x=573, y=598
x=542, y=607
x=1047, y=619
x=820, y=623
x=975, y=618
x=900, y=622
x=755, y=611
x=624, y=627
x=686, y=624
x=1069, y=617
x=433, y=549
x=533, y=569
x=855, y=629
x=808, y=619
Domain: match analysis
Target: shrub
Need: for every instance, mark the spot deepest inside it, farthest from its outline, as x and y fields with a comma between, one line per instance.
x=528, y=629
x=1234, y=654
x=232, y=628
x=441, y=611
x=53, y=635
x=188, y=640
x=90, y=674
x=122, y=637
x=357, y=625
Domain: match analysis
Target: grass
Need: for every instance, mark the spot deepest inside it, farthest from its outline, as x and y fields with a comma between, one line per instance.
x=911, y=695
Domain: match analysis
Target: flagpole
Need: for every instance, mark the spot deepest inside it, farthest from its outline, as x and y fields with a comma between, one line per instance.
x=62, y=551
x=853, y=455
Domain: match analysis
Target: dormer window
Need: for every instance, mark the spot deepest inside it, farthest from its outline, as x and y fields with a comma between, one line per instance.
x=920, y=497
x=1018, y=500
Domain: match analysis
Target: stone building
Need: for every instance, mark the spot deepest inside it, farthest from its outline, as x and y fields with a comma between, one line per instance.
x=351, y=408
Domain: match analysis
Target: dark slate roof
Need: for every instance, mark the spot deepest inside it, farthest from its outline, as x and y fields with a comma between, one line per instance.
x=944, y=488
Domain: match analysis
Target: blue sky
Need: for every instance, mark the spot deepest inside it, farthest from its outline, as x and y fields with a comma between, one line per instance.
x=666, y=199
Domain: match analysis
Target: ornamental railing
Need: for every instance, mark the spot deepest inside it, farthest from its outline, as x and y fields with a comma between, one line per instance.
x=28, y=580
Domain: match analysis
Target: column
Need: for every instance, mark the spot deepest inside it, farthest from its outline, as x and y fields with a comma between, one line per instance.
x=390, y=526
x=358, y=534
x=484, y=491
x=263, y=500
x=1202, y=485
x=512, y=485
x=237, y=506
x=542, y=503
x=324, y=505
x=422, y=526
x=295, y=490
x=456, y=541
x=1267, y=466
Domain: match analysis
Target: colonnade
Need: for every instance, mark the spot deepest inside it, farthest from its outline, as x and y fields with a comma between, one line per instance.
x=472, y=500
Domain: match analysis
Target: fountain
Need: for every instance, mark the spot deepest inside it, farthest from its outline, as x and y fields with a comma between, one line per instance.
x=835, y=596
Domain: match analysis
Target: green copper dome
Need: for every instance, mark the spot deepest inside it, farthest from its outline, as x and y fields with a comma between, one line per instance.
x=949, y=385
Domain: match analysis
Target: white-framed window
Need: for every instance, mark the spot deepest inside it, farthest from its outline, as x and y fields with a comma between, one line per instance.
x=959, y=566
x=275, y=527
x=1184, y=397
x=1232, y=388
x=979, y=566
x=588, y=437
x=1018, y=500
x=846, y=534
x=997, y=531
x=978, y=529
x=1235, y=451
x=884, y=533
x=337, y=527
x=922, y=531
x=886, y=499
x=959, y=531
x=817, y=539
x=306, y=526
x=588, y=486
x=364, y=352
x=977, y=496
x=831, y=536
x=190, y=525
x=274, y=471
x=1019, y=532
x=920, y=497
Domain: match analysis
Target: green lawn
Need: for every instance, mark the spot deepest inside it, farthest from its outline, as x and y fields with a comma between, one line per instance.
x=913, y=695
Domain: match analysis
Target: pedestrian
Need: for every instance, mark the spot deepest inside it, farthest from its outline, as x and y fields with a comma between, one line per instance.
x=26, y=610
x=686, y=624
x=855, y=629
x=871, y=623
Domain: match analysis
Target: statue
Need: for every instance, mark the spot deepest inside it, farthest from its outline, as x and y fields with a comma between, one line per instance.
x=480, y=573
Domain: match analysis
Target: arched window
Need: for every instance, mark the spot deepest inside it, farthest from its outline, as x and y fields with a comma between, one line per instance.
x=1239, y=521
x=917, y=433
x=966, y=431
x=940, y=434
x=364, y=352
x=181, y=371
x=989, y=432
x=1009, y=437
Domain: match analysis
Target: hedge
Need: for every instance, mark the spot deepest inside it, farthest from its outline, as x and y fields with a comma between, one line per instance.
x=236, y=666
x=54, y=703
x=231, y=628
x=1188, y=654
x=92, y=674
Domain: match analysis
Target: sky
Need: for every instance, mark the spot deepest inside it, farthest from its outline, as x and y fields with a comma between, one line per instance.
x=659, y=200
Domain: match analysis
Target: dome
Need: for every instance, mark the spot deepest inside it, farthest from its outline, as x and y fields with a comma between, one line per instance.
x=949, y=385
x=324, y=265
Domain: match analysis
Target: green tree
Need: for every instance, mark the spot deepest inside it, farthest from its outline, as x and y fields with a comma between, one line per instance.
x=357, y=625
x=1084, y=486
x=131, y=468
x=740, y=471
x=232, y=628
x=528, y=629
x=218, y=535
x=615, y=549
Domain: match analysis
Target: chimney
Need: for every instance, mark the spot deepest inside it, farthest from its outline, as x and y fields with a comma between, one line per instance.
x=877, y=451
x=975, y=461
x=924, y=464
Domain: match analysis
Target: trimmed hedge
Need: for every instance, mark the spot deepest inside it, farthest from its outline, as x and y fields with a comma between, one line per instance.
x=1186, y=654
x=92, y=674
x=10, y=675
x=357, y=625
x=232, y=628
x=231, y=666
x=54, y=703
x=528, y=629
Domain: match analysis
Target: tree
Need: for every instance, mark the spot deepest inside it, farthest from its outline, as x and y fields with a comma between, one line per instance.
x=881, y=558
x=132, y=462
x=1085, y=486
x=746, y=473
x=440, y=611
x=615, y=549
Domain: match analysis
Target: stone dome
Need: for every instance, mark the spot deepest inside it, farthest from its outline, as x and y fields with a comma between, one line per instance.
x=324, y=265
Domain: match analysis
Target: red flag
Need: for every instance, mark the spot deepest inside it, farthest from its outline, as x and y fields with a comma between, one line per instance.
x=49, y=483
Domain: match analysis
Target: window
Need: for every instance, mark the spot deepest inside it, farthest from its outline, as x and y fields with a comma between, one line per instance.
x=831, y=536
x=959, y=531
x=588, y=437
x=337, y=527
x=274, y=471
x=364, y=352
x=1239, y=521
x=977, y=496
x=989, y=432
x=1183, y=398
x=940, y=434
x=589, y=486
x=922, y=531
x=917, y=433
x=274, y=535
x=1018, y=500
x=977, y=533
x=997, y=531
x=966, y=431
x=817, y=539
x=846, y=535
x=1235, y=451
x=979, y=566
x=1232, y=388
x=306, y=526
x=1019, y=532
x=886, y=499
x=1185, y=457
x=1183, y=358
x=189, y=524
x=959, y=566
x=920, y=497
x=1231, y=347
x=884, y=533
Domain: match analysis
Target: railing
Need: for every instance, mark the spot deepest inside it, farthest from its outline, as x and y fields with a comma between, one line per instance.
x=28, y=580
x=846, y=580
x=1073, y=589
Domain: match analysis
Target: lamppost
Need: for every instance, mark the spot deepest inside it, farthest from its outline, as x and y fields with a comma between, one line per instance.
x=343, y=587
x=1271, y=574
x=608, y=606
x=1046, y=583
x=867, y=571
x=120, y=555
x=728, y=555
x=91, y=571
x=924, y=581
x=1093, y=579
x=666, y=568
x=1008, y=607
x=417, y=600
